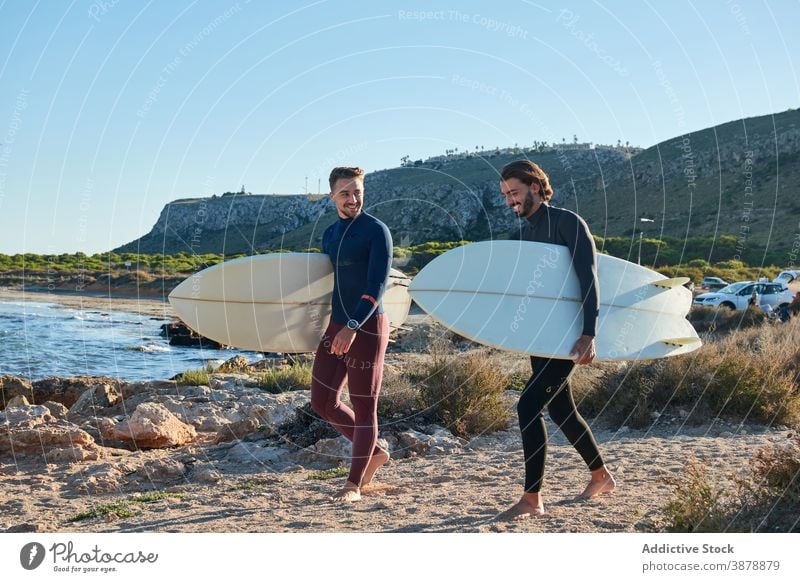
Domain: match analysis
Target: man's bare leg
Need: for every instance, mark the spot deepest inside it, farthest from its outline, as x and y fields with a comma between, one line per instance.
x=602, y=482
x=377, y=461
x=348, y=494
x=528, y=506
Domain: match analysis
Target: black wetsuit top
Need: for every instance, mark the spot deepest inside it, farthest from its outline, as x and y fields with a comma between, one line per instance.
x=360, y=249
x=550, y=224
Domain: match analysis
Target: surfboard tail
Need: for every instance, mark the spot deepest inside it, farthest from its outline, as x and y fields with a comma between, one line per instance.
x=671, y=283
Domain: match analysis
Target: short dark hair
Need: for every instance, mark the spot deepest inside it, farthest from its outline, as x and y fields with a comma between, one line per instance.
x=528, y=173
x=344, y=172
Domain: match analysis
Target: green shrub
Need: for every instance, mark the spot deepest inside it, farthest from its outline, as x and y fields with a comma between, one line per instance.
x=464, y=392
x=124, y=508
x=326, y=474
x=698, y=263
x=199, y=377
x=286, y=379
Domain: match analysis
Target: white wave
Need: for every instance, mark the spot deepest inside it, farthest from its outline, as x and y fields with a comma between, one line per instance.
x=150, y=348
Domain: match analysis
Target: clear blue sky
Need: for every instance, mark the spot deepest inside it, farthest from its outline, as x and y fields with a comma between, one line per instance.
x=110, y=109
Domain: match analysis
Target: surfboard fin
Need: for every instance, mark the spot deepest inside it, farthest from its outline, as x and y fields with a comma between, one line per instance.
x=671, y=283
x=682, y=341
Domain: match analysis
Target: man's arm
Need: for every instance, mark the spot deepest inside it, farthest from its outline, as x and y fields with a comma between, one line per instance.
x=380, y=261
x=575, y=234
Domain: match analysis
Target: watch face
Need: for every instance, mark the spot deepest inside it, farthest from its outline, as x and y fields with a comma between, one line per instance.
x=352, y=324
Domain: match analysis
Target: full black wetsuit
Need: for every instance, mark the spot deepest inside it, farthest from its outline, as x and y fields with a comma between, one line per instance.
x=361, y=252
x=549, y=385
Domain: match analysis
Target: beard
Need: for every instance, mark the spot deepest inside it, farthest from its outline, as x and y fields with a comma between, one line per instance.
x=527, y=204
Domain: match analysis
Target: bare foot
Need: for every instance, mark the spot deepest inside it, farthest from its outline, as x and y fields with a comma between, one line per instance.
x=524, y=508
x=602, y=482
x=377, y=461
x=348, y=494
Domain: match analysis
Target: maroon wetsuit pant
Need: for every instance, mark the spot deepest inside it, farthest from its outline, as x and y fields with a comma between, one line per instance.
x=362, y=367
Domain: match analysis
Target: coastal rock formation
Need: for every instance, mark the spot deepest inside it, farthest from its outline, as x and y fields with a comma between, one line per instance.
x=722, y=178
x=67, y=391
x=115, y=418
x=179, y=334
x=97, y=397
x=11, y=386
x=32, y=430
x=152, y=426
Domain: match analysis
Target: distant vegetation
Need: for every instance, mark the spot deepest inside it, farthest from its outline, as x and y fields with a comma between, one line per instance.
x=671, y=256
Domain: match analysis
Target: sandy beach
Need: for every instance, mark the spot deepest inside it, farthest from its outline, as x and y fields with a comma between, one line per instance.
x=216, y=488
x=462, y=492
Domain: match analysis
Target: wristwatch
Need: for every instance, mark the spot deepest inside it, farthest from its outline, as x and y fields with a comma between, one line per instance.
x=352, y=324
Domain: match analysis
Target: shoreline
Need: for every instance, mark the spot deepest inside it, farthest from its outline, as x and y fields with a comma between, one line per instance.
x=92, y=301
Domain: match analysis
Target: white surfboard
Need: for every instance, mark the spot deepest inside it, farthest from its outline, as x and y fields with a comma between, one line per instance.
x=525, y=297
x=280, y=302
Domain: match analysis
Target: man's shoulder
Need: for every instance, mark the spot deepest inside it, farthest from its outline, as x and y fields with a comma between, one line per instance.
x=559, y=211
x=566, y=217
x=373, y=224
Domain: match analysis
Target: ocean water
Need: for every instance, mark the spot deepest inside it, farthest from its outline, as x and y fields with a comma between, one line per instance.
x=47, y=339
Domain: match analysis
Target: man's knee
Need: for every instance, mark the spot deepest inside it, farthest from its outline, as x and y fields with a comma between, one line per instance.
x=364, y=406
x=531, y=402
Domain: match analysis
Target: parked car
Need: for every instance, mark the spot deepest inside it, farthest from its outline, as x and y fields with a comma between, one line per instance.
x=736, y=295
x=790, y=279
x=712, y=283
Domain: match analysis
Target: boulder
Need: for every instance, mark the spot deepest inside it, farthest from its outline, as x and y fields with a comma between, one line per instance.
x=56, y=409
x=11, y=386
x=412, y=441
x=34, y=430
x=67, y=391
x=95, y=398
x=18, y=400
x=129, y=389
x=326, y=452
x=153, y=426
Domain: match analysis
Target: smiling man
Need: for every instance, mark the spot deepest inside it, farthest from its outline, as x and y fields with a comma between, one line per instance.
x=353, y=346
x=527, y=191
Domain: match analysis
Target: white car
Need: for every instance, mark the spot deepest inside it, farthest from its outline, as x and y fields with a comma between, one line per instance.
x=790, y=279
x=736, y=295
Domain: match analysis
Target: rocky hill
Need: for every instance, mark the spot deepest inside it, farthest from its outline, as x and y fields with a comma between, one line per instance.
x=737, y=179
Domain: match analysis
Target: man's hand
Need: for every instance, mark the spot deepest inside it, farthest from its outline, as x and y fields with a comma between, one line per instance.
x=342, y=341
x=583, y=351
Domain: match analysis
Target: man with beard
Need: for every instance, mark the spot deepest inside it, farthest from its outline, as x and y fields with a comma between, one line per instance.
x=527, y=190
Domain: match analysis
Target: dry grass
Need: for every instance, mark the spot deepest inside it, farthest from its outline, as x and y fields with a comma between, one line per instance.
x=400, y=397
x=749, y=375
x=721, y=321
x=464, y=392
x=766, y=498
